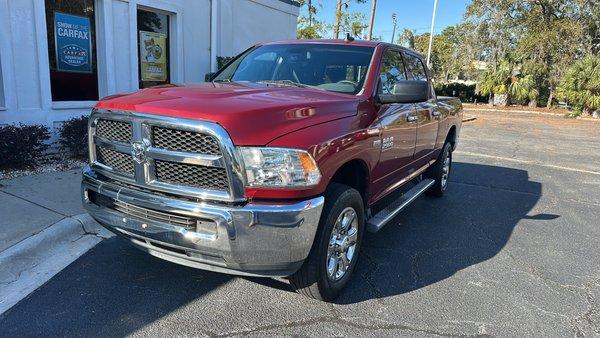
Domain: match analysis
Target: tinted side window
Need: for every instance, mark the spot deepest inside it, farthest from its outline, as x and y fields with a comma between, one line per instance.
x=392, y=71
x=416, y=67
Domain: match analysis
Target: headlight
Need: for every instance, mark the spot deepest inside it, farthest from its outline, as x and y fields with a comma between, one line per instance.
x=279, y=167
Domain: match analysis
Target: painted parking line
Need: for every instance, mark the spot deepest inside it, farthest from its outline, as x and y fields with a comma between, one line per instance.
x=536, y=163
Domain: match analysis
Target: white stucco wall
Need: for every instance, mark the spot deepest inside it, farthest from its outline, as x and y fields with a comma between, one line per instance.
x=244, y=23
x=25, y=76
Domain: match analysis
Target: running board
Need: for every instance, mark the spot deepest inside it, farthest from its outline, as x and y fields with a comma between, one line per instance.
x=377, y=222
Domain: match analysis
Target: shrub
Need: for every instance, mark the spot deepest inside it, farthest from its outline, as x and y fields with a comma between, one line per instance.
x=466, y=93
x=21, y=145
x=581, y=85
x=74, y=137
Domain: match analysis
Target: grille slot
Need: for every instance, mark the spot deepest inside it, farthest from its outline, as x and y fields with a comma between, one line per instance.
x=114, y=130
x=115, y=160
x=192, y=175
x=153, y=215
x=183, y=140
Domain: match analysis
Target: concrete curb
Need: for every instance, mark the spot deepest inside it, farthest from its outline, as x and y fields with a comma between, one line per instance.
x=29, y=264
x=513, y=111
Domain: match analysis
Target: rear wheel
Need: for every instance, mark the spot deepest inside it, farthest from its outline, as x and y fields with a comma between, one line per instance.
x=334, y=253
x=440, y=172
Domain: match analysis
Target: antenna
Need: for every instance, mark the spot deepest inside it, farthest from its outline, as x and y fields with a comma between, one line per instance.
x=348, y=38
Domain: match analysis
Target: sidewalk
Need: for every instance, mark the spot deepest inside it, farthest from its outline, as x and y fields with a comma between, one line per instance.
x=43, y=228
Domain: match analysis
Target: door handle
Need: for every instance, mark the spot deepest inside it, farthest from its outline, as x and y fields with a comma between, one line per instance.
x=412, y=118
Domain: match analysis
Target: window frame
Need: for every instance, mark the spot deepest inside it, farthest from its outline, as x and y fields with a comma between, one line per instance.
x=176, y=60
x=100, y=61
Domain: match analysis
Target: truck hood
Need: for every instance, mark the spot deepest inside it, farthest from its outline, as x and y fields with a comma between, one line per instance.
x=252, y=114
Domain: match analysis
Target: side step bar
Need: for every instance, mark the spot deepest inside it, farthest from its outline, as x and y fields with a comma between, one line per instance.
x=377, y=222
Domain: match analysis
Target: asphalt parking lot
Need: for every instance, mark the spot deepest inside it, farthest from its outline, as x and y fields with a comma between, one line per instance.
x=512, y=250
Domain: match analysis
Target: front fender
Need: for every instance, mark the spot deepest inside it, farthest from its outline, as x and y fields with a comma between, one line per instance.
x=332, y=144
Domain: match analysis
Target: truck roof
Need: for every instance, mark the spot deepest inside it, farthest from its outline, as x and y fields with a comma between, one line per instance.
x=362, y=43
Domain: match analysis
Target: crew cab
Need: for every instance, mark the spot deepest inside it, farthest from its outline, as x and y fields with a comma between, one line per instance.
x=278, y=165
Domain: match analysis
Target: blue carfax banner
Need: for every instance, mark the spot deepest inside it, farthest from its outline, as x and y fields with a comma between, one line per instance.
x=73, y=41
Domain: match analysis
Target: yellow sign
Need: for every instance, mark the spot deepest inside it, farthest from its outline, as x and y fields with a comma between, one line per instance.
x=153, y=58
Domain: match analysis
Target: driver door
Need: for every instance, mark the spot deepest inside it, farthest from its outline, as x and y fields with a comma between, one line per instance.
x=398, y=123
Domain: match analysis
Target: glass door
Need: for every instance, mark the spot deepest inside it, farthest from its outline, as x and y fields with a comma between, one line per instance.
x=153, y=46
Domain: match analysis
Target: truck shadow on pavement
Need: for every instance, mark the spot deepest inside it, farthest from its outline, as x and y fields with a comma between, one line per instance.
x=435, y=238
x=115, y=289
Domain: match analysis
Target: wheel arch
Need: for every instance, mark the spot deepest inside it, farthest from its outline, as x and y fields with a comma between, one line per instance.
x=452, y=136
x=354, y=173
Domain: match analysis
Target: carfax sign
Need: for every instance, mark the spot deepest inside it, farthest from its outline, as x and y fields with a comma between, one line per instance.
x=73, y=42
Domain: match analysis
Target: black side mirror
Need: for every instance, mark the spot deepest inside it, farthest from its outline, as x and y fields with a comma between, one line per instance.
x=208, y=77
x=407, y=91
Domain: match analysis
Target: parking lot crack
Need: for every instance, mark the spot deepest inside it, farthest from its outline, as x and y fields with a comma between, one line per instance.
x=351, y=322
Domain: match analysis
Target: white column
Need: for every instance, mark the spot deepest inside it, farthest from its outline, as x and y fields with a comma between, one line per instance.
x=214, y=24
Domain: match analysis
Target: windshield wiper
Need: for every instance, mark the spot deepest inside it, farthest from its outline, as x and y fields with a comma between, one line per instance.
x=285, y=82
x=222, y=80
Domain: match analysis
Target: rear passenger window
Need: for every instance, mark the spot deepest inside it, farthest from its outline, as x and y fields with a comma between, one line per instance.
x=416, y=67
x=392, y=71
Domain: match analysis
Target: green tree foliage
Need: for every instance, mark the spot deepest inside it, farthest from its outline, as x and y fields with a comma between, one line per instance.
x=450, y=51
x=354, y=23
x=340, y=11
x=308, y=26
x=507, y=80
x=581, y=85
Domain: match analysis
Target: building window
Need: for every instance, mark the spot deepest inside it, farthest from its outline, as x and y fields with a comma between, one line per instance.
x=72, y=50
x=153, y=47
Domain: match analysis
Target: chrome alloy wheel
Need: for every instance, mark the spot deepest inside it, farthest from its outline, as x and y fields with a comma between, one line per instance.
x=446, y=170
x=342, y=244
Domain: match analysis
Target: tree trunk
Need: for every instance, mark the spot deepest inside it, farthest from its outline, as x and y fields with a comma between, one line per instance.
x=338, y=17
x=533, y=103
x=310, y=14
x=550, y=98
x=491, y=100
x=372, y=20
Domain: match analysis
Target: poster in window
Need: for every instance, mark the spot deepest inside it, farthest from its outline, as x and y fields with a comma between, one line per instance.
x=153, y=56
x=73, y=43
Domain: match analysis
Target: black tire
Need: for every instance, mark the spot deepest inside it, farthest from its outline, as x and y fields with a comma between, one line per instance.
x=436, y=172
x=312, y=279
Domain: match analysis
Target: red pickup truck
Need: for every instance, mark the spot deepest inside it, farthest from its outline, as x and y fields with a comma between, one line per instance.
x=278, y=165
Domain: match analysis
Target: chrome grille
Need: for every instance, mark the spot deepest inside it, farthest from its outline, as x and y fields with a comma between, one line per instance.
x=114, y=130
x=153, y=215
x=116, y=160
x=190, y=158
x=184, y=140
x=192, y=175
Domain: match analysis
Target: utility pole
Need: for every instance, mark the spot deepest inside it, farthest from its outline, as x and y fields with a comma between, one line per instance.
x=435, y=2
x=394, y=19
x=373, y=8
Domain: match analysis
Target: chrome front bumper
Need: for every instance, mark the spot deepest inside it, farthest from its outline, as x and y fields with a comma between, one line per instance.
x=257, y=239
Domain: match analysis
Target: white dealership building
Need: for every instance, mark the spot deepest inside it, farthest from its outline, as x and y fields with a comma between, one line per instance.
x=58, y=57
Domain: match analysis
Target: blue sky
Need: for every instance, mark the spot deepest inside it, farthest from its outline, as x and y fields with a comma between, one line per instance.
x=412, y=14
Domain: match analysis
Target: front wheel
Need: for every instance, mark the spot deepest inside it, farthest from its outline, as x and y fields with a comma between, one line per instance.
x=334, y=253
x=440, y=172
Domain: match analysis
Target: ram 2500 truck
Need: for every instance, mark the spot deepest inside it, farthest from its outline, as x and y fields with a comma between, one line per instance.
x=275, y=167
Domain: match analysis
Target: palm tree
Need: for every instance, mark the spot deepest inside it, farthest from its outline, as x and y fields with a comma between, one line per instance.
x=581, y=85
x=505, y=82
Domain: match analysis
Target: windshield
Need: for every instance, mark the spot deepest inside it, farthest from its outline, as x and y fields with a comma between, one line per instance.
x=337, y=68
